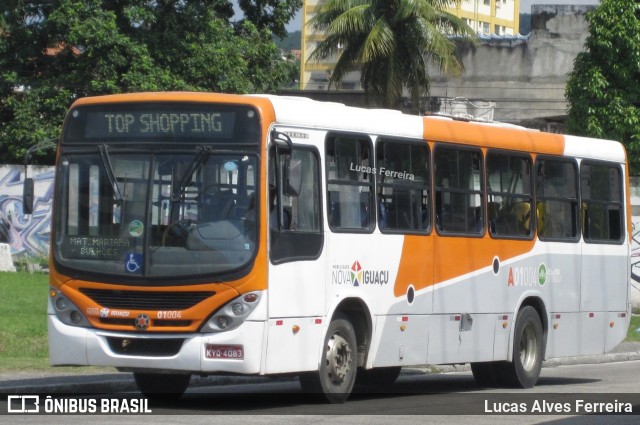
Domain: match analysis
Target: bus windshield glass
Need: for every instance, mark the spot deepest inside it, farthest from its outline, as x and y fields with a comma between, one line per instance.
x=165, y=210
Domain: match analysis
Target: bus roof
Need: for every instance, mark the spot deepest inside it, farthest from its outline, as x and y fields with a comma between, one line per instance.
x=308, y=113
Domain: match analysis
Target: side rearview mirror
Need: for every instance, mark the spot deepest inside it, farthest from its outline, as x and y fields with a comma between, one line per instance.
x=27, y=196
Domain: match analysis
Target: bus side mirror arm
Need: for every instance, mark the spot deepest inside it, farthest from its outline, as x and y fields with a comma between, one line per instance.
x=291, y=168
x=28, y=188
x=27, y=196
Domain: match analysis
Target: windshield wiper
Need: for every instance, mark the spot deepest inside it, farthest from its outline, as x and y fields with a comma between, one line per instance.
x=108, y=168
x=201, y=156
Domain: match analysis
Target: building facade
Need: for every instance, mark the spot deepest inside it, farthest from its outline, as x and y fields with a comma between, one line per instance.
x=485, y=17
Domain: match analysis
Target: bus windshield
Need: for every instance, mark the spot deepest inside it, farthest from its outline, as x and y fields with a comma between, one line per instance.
x=161, y=211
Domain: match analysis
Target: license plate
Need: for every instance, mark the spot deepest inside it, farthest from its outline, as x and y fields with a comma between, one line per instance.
x=233, y=352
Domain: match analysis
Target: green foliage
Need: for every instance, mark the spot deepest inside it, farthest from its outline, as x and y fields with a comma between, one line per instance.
x=55, y=51
x=603, y=89
x=633, y=333
x=271, y=14
x=390, y=42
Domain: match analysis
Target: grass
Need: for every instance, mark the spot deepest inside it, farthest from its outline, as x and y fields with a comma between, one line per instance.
x=23, y=314
x=633, y=334
x=23, y=323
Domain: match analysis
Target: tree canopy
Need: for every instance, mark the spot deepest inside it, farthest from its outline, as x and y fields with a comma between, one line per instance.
x=603, y=90
x=55, y=51
x=391, y=42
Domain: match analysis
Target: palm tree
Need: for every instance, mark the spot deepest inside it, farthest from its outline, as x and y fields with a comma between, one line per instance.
x=391, y=42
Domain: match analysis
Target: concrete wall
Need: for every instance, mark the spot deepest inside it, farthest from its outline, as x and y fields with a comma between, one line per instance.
x=28, y=234
x=524, y=76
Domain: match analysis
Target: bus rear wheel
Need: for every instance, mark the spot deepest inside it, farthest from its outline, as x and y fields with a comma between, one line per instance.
x=336, y=374
x=524, y=370
x=161, y=385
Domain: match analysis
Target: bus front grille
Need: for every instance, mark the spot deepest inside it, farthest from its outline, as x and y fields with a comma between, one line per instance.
x=165, y=347
x=144, y=300
x=156, y=322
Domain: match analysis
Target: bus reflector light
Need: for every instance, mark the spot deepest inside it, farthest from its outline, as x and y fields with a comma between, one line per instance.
x=318, y=321
x=279, y=322
x=612, y=324
x=558, y=316
x=622, y=314
x=295, y=329
x=251, y=298
x=592, y=315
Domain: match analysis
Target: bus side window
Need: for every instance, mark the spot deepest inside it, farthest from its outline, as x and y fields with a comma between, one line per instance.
x=557, y=199
x=402, y=173
x=601, y=191
x=458, y=185
x=350, y=178
x=509, y=184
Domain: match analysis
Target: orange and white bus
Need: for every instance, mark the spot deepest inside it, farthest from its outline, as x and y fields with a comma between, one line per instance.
x=203, y=234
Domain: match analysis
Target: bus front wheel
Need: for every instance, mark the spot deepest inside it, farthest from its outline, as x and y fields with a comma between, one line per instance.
x=337, y=370
x=524, y=370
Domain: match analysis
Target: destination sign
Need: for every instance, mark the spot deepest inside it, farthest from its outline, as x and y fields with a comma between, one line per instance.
x=153, y=124
x=97, y=247
x=160, y=121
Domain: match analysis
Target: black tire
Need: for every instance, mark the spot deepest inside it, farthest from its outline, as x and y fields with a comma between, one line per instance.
x=162, y=385
x=524, y=370
x=336, y=374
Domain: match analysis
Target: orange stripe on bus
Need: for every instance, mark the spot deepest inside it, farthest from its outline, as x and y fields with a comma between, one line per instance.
x=483, y=135
x=415, y=269
x=452, y=257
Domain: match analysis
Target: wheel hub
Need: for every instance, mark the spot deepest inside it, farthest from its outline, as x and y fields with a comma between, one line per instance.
x=528, y=351
x=338, y=358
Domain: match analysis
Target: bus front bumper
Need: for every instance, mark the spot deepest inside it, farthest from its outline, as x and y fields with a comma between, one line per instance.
x=235, y=351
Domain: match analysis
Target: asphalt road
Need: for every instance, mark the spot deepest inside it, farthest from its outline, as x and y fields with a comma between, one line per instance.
x=417, y=397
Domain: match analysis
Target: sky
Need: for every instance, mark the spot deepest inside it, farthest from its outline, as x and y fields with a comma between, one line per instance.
x=525, y=7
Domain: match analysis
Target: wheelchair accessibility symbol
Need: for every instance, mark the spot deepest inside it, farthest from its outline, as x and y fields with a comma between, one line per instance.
x=133, y=262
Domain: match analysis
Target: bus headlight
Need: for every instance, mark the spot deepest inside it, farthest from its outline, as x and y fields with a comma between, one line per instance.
x=233, y=314
x=66, y=311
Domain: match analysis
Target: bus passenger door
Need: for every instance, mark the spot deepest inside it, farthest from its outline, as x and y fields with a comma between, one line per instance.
x=296, y=289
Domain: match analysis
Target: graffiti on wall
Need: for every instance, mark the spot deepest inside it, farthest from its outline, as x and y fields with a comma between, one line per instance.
x=635, y=252
x=28, y=234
